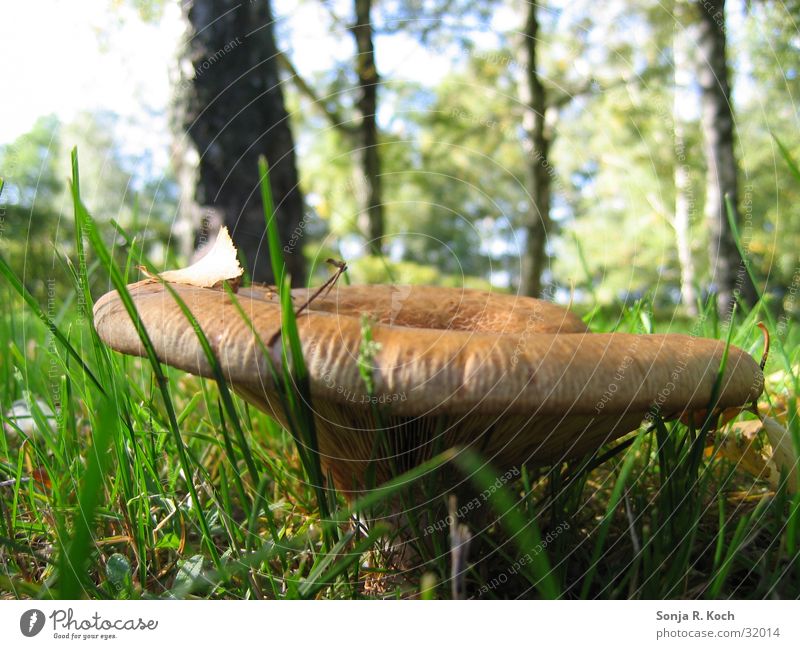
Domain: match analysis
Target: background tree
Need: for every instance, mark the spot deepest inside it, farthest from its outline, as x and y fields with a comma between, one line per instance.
x=537, y=146
x=557, y=86
x=361, y=135
x=368, y=81
x=233, y=111
x=623, y=169
x=350, y=95
x=728, y=272
x=684, y=194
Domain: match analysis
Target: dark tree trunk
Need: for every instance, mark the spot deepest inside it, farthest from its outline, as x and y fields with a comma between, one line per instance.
x=235, y=112
x=368, y=81
x=537, y=147
x=728, y=272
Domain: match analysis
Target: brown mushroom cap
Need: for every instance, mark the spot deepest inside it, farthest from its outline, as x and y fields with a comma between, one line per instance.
x=520, y=379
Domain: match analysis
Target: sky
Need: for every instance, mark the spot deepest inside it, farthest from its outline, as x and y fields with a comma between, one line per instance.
x=86, y=57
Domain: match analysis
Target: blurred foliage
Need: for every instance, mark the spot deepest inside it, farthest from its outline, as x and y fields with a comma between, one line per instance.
x=770, y=112
x=454, y=165
x=38, y=226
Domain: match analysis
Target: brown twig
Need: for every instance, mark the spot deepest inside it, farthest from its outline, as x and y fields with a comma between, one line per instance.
x=341, y=267
x=764, y=356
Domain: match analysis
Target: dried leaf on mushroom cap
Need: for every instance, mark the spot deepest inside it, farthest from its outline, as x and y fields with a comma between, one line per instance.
x=219, y=265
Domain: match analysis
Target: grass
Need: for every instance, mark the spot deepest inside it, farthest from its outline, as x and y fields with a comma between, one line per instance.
x=148, y=483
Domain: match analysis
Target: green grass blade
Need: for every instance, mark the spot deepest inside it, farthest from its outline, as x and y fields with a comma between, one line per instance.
x=273, y=238
x=525, y=532
x=616, y=495
x=23, y=292
x=73, y=569
x=325, y=573
x=788, y=158
x=161, y=380
x=730, y=212
x=219, y=377
x=80, y=224
x=721, y=574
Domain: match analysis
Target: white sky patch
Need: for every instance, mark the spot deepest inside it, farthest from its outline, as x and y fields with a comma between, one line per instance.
x=401, y=57
x=314, y=44
x=63, y=58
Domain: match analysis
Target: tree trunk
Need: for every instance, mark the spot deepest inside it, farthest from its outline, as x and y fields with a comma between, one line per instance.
x=728, y=272
x=537, y=147
x=368, y=80
x=234, y=112
x=684, y=194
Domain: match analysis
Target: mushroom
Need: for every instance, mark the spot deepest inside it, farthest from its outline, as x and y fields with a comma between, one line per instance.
x=521, y=380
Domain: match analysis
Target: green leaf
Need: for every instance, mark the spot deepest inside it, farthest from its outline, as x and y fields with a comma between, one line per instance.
x=118, y=570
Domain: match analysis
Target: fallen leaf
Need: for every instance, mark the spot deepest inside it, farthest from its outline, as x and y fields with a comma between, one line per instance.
x=784, y=456
x=41, y=477
x=740, y=446
x=219, y=265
